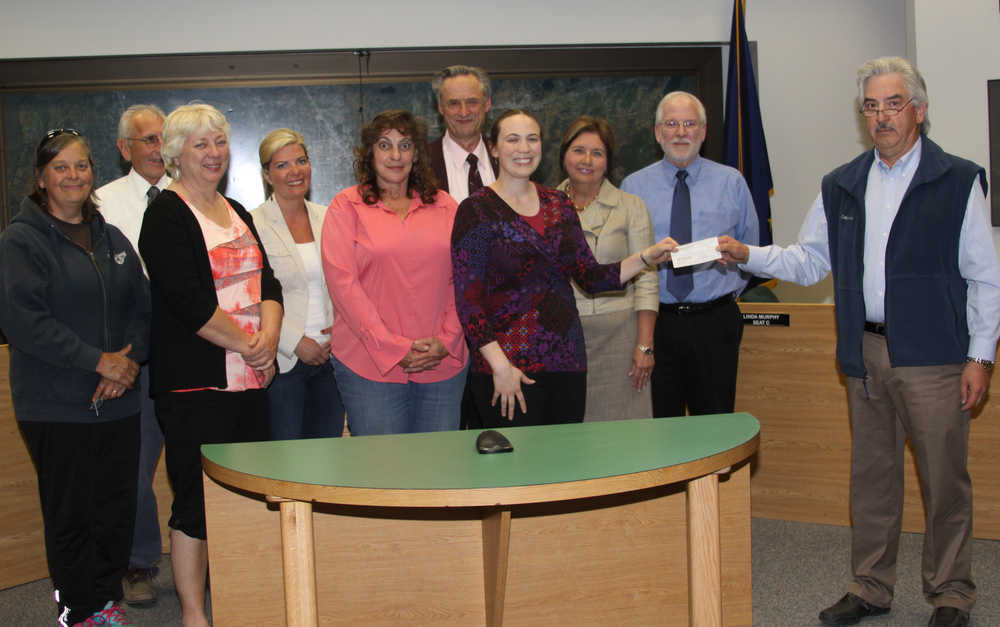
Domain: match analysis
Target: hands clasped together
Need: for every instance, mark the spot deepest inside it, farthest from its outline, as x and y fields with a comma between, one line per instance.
x=117, y=372
x=262, y=348
x=425, y=354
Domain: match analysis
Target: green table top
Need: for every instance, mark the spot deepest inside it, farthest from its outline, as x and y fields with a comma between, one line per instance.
x=448, y=460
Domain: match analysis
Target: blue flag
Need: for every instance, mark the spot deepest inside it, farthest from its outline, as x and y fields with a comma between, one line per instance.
x=745, y=148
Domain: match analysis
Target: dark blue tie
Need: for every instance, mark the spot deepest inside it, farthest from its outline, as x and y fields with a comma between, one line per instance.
x=680, y=282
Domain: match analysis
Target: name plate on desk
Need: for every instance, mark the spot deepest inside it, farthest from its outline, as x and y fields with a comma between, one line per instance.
x=766, y=319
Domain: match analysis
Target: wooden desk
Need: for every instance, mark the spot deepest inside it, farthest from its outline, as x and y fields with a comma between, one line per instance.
x=582, y=523
x=788, y=378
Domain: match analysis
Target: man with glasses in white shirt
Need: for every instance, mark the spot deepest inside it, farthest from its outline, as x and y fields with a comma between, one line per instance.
x=123, y=203
x=905, y=230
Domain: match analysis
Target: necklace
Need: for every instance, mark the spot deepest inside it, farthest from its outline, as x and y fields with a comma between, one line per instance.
x=571, y=193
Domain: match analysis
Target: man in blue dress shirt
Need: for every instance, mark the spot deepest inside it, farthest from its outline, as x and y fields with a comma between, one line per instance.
x=905, y=230
x=699, y=328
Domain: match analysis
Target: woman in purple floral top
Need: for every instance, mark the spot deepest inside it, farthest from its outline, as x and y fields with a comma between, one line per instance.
x=515, y=246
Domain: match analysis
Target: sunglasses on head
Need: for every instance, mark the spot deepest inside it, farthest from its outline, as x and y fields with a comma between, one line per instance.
x=56, y=132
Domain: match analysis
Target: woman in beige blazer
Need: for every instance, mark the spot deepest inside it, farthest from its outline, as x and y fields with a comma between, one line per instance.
x=617, y=327
x=303, y=400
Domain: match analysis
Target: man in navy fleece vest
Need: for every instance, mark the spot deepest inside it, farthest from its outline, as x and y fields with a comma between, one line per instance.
x=905, y=230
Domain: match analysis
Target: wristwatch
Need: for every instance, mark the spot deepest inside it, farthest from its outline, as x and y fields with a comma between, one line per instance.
x=645, y=349
x=985, y=363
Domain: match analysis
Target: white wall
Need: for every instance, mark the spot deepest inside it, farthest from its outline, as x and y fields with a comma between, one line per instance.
x=958, y=50
x=241, y=25
x=808, y=50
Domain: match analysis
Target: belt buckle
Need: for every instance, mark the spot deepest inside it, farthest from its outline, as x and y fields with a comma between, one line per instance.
x=684, y=308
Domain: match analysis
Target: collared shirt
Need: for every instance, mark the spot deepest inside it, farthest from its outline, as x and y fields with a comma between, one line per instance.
x=886, y=187
x=123, y=202
x=808, y=260
x=390, y=282
x=458, y=168
x=720, y=205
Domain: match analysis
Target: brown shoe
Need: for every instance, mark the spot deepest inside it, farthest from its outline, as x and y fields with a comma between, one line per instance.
x=850, y=610
x=137, y=586
x=945, y=616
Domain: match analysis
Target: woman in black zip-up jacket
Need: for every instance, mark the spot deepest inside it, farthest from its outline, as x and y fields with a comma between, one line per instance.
x=74, y=304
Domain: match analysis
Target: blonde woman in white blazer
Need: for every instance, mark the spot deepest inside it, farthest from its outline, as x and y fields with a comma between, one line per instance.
x=303, y=399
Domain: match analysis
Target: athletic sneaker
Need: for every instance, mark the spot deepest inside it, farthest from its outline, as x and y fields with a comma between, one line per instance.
x=111, y=616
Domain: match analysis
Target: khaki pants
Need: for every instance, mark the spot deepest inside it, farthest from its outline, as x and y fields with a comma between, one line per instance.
x=922, y=403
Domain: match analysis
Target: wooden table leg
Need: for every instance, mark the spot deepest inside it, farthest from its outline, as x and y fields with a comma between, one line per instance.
x=496, y=549
x=704, y=553
x=298, y=558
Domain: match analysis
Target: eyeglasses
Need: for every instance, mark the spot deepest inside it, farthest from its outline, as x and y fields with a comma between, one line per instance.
x=870, y=109
x=56, y=132
x=675, y=124
x=149, y=140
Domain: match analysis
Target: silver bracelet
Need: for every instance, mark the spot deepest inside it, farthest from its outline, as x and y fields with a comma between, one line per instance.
x=985, y=363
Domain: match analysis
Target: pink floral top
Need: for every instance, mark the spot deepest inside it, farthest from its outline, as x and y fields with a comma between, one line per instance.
x=236, y=267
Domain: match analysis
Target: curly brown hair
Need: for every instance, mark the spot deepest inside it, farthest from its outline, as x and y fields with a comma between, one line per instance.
x=421, y=180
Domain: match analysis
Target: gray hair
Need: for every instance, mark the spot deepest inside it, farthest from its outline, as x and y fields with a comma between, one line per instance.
x=125, y=122
x=674, y=95
x=184, y=121
x=912, y=78
x=461, y=70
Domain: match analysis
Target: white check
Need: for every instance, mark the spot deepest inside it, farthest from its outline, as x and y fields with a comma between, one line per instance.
x=696, y=252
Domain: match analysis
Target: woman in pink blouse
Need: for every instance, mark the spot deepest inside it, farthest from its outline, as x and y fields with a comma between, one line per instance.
x=397, y=347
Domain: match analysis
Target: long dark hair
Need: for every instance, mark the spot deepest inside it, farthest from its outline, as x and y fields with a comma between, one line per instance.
x=421, y=180
x=50, y=146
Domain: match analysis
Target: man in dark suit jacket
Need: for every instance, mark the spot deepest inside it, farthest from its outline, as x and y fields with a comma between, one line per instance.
x=459, y=158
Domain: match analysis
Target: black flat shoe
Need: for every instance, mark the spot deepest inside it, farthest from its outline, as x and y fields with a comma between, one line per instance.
x=851, y=609
x=948, y=617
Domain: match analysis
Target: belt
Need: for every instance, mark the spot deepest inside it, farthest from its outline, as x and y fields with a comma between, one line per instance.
x=875, y=327
x=692, y=308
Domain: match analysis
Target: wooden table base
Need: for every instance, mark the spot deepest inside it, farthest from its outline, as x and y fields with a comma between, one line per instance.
x=597, y=561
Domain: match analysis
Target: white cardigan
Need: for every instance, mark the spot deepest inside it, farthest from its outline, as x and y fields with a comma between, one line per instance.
x=288, y=269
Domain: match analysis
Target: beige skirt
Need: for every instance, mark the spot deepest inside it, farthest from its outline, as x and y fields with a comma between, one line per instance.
x=610, y=339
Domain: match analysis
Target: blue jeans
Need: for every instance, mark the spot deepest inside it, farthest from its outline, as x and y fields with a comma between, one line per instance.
x=146, y=546
x=375, y=408
x=305, y=403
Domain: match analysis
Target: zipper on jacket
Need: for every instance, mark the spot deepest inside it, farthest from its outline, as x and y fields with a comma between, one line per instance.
x=104, y=300
x=100, y=278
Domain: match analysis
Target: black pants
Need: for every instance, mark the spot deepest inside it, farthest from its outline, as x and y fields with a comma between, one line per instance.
x=470, y=418
x=696, y=358
x=554, y=398
x=190, y=419
x=87, y=477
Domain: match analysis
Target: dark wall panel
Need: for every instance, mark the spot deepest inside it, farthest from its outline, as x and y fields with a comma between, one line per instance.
x=622, y=84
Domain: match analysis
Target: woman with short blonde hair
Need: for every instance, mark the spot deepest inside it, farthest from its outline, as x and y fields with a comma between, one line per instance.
x=216, y=319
